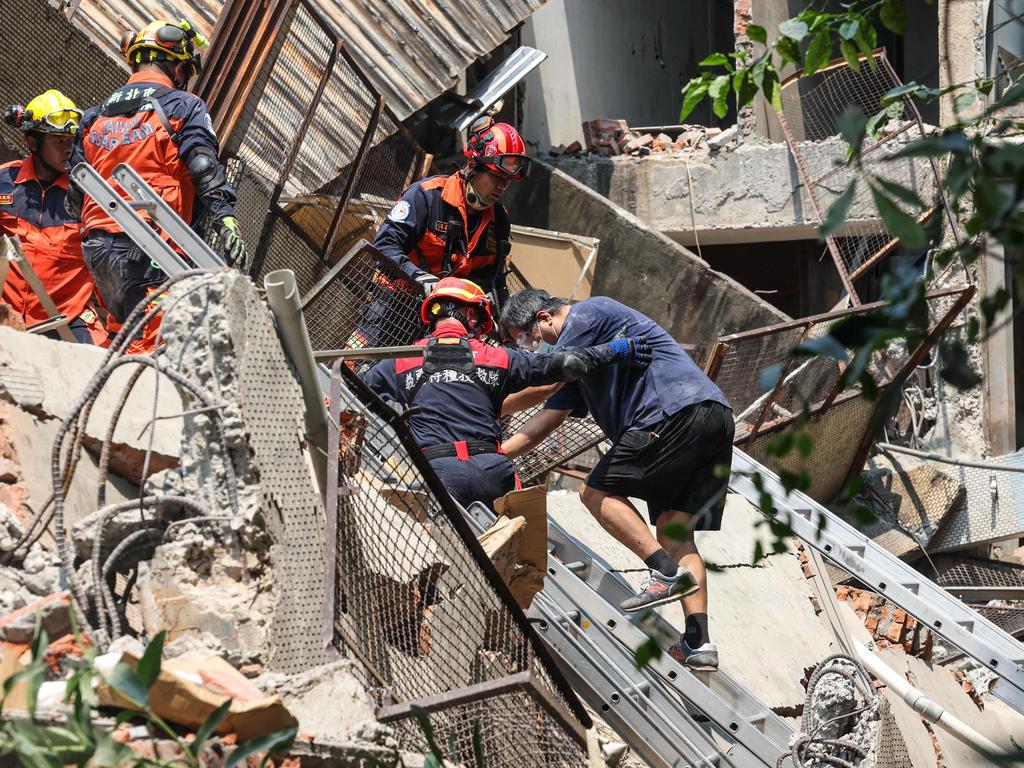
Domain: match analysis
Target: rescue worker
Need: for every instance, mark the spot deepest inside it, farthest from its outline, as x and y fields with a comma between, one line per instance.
x=32, y=194
x=670, y=427
x=164, y=133
x=446, y=225
x=459, y=384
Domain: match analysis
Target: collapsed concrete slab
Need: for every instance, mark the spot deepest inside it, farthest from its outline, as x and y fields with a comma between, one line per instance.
x=638, y=265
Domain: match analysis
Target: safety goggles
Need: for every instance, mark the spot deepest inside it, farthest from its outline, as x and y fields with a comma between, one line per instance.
x=59, y=121
x=511, y=166
x=528, y=340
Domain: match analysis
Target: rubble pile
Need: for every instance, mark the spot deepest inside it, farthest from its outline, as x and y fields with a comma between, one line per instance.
x=195, y=557
x=609, y=137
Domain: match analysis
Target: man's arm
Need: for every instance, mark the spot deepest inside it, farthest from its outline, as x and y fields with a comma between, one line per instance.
x=199, y=149
x=533, y=431
x=402, y=229
x=529, y=397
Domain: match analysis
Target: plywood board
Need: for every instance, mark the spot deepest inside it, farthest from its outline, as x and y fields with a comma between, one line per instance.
x=561, y=264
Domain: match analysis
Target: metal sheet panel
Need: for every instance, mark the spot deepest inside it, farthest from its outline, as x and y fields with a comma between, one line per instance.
x=411, y=51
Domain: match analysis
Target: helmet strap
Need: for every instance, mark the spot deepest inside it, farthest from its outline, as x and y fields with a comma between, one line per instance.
x=473, y=199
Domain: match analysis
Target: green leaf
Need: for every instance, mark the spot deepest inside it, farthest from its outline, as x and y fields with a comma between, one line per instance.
x=964, y=100
x=646, y=652
x=894, y=15
x=900, y=192
x=848, y=29
x=692, y=95
x=148, y=668
x=818, y=52
x=676, y=531
x=124, y=680
x=851, y=126
x=793, y=29
x=758, y=34
x=804, y=444
x=428, y=731
x=209, y=726
x=772, y=89
x=900, y=224
x=789, y=50
x=850, y=54
x=478, y=745
x=719, y=91
x=827, y=346
x=268, y=744
x=935, y=146
x=876, y=122
x=743, y=84
x=715, y=60
x=836, y=216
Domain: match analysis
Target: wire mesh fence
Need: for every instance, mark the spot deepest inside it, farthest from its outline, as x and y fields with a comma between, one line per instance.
x=742, y=364
x=363, y=301
x=415, y=598
x=326, y=146
x=812, y=109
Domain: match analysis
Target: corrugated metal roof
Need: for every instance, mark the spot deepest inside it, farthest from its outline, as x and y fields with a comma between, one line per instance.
x=412, y=50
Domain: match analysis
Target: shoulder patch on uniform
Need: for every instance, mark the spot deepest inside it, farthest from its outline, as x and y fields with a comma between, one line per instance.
x=400, y=212
x=6, y=199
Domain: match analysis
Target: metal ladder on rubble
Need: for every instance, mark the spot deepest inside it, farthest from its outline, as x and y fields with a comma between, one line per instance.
x=144, y=198
x=883, y=572
x=672, y=716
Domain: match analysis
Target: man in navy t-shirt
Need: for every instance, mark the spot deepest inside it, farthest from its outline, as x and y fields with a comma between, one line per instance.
x=670, y=426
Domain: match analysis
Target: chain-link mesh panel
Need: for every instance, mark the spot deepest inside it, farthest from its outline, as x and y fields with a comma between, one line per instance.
x=363, y=301
x=508, y=729
x=952, y=571
x=416, y=599
x=836, y=434
x=740, y=362
x=355, y=157
x=569, y=440
x=812, y=108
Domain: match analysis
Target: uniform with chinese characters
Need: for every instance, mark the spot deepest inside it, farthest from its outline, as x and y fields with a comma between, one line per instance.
x=456, y=420
x=159, y=130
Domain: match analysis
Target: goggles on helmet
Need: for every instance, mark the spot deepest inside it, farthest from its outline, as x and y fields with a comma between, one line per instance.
x=58, y=121
x=510, y=166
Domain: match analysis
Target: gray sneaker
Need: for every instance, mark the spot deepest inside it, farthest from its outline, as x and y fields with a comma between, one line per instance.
x=703, y=658
x=659, y=590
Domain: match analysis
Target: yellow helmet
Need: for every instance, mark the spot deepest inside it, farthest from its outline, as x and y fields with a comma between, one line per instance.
x=49, y=112
x=164, y=41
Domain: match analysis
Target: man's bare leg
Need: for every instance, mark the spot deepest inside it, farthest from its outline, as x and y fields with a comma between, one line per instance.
x=620, y=518
x=695, y=606
x=684, y=551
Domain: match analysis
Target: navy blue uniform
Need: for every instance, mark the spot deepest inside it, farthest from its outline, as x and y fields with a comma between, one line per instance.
x=669, y=423
x=414, y=237
x=622, y=398
x=460, y=409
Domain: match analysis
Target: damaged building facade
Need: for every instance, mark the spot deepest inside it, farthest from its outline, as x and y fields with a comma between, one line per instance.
x=188, y=493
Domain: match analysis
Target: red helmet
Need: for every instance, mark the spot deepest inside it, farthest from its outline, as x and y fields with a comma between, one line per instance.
x=499, y=147
x=451, y=291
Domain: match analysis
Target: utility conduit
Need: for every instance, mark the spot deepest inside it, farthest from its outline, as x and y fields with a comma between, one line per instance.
x=932, y=711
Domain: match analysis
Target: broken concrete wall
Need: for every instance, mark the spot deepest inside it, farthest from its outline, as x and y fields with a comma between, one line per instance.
x=638, y=265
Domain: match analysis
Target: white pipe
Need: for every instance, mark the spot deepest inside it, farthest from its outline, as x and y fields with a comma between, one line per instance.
x=930, y=710
x=283, y=298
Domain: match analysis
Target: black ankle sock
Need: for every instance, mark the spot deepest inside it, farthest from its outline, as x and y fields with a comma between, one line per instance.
x=662, y=561
x=696, y=633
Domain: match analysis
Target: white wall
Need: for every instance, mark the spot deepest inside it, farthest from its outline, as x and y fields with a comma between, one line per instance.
x=613, y=58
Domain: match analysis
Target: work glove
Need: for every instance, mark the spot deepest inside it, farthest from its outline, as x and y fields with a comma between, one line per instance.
x=426, y=281
x=231, y=243
x=633, y=350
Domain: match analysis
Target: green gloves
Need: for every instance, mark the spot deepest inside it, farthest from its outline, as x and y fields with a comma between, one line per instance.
x=232, y=244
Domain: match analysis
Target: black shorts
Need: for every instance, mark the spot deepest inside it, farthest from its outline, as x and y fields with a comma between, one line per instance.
x=671, y=465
